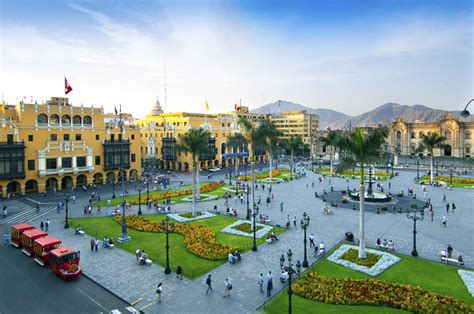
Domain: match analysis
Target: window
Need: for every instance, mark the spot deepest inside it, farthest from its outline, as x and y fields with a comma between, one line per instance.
x=399, y=135
x=468, y=150
x=66, y=137
x=413, y=135
x=51, y=163
x=54, y=119
x=10, y=138
x=97, y=137
x=468, y=135
x=78, y=137
x=133, y=136
x=67, y=162
x=42, y=119
x=120, y=137
x=447, y=134
x=81, y=161
x=66, y=119
x=133, y=157
x=30, y=138
x=87, y=120
x=112, y=137
x=54, y=137
x=97, y=160
x=31, y=164
x=76, y=119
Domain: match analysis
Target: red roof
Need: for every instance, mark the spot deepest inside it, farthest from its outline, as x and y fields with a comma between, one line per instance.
x=32, y=233
x=48, y=240
x=64, y=250
x=21, y=227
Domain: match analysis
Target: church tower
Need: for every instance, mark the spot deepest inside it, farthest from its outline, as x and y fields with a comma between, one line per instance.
x=157, y=110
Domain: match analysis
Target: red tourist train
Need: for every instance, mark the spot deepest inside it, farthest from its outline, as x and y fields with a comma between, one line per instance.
x=64, y=261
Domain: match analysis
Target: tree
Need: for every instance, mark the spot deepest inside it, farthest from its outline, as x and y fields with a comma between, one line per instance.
x=293, y=144
x=431, y=141
x=253, y=134
x=331, y=141
x=363, y=148
x=195, y=141
x=270, y=134
x=236, y=140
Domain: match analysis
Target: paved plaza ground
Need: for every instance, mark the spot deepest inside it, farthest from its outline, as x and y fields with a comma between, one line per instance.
x=117, y=271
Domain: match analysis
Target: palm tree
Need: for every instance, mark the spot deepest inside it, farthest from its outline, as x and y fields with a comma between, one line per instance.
x=194, y=141
x=294, y=143
x=236, y=140
x=270, y=134
x=431, y=141
x=331, y=141
x=253, y=134
x=363, y=148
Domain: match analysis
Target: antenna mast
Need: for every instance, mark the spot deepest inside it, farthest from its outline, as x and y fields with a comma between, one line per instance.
x=165, y=85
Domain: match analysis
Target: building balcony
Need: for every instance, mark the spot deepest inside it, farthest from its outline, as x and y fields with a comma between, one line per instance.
x=63, y=171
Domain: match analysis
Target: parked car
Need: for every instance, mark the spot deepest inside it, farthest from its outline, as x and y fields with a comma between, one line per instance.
x=214, y=169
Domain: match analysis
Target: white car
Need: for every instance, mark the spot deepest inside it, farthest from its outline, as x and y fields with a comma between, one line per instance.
x=214, y=169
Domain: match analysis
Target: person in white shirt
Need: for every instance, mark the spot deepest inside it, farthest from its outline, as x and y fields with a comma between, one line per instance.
x=284, y=276
x=321, y=247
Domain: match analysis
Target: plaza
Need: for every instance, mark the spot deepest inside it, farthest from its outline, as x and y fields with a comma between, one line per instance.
x=117, y=271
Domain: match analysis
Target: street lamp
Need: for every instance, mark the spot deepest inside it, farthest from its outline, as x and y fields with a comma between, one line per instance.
x=247, y=191
x=230, y=171
x=113, y=188
x=304, y=223
x=124, y=237
x=254, y=215
x=66, y=221
x=415, y=218
x=465, y=113
x=370, y=190
x=290, y=271
x=139, y=189
x=168, y=228
x=147, y=182
x=417, y=168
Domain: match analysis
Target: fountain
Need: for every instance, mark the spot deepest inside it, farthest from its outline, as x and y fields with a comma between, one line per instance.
x=375, y=197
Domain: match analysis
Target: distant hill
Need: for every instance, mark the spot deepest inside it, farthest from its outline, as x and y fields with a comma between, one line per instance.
x=327, y=116
x=383, y=114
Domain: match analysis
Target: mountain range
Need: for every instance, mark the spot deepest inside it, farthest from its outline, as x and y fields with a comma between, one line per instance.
x=383, y=114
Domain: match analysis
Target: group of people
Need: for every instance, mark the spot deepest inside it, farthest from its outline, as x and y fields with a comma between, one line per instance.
x=108, y=243
x=447, y=254
x=234, y=257
x=141, y=257
x=271, y=237
x=390, y=245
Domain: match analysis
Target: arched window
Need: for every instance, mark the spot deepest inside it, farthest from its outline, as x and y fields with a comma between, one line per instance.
x=66, y=119
x=87, y=120
x=413, y=134
x=76, y=119
x=420, y=135
x=42, y=119
x=399, y=135
x=447, y=134
x=54, y=119
x=223, y=148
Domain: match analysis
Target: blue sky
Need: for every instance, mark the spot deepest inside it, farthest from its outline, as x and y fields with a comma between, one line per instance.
x=349, y=56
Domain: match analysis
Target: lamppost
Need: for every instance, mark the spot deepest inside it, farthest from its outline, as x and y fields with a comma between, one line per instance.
x=369, y=190
x=168, y=228
x=290, y=271
x=113, y=188
x=230, y=172
x=124, y=237
x=304, y=223
x=139, y=189
x=66, y=221
x=247, y=191
x=147, y=182
x=465, y=113
x=451, y=177
x=415, y=218
x=417, y=168
x=254, y=216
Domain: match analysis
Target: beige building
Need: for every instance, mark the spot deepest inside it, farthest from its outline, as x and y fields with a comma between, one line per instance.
x=55, y=145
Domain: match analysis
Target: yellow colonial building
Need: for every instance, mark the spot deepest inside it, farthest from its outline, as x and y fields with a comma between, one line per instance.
x=55, y=145
x=160, y=132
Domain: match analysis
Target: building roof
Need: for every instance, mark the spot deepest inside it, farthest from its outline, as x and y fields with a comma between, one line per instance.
x=157, y=110
x=48, y=240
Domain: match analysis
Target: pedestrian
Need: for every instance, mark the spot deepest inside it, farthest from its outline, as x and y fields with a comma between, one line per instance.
x=179, y=272
x=453, y=207
x=444, y=197
x=281, y=206
x=159, y=289
x=46, y=225
x=208, y=283
x=227, y=287
x=96, y=245
x=449, y=250
x=6, y=238
x=432, y=213
x=447, y=207
x=389, y=185
x=269, y=284
x=98, y=209
x=4, y=212
x=443, y=221
x=260, y=282
x=311, y=240
x=294, y=221
x=92, y=242
x=41, y=225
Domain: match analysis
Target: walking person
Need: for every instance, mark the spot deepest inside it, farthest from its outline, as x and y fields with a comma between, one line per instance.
x=92, y=243
x=4, y=212
x=281, y=206
x=179, y=272
x=269, y=284
x=311, y=240
x=46, y=225
x=159, y=290
x=41, y=225
x=294, y=221
x=260, y=282
x=447, y=207
x=6, y=238
x=227, y=287
x=432, y=213
x=443, y=221
x=208, y=283
x=444, y=197
x=96, y=245
x=453, y=207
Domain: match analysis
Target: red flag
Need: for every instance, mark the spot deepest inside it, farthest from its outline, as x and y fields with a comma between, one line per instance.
x=67, y=87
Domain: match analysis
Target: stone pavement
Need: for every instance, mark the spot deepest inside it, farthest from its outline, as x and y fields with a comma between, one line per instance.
x=117, y=270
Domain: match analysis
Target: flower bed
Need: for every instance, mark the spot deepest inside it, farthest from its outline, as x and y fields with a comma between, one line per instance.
x=204, y=188
x=262, y=230
x=247, y=227
x=386, y=260
x=260, y=176
x=351, y=255
x=468, y=279
x=203, y=198
x=200, y=240
x=376, y=292
x=186, y=217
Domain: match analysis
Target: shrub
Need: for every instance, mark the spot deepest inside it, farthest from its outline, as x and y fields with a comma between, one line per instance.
x=352, y=256
x=376, y=292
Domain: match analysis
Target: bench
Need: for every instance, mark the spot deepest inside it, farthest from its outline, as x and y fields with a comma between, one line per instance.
x=387, y=247
x=80, y=232
x=451, y=260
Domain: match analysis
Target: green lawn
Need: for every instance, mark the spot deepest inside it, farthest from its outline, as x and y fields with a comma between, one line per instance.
x=447, y=180
x=154, y=243
x=219, y=192
x=432, y=276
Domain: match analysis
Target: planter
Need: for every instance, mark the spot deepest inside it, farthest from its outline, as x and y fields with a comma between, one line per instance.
x=259, y=234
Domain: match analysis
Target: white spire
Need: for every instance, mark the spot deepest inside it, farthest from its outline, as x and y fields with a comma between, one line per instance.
x=156, y=108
